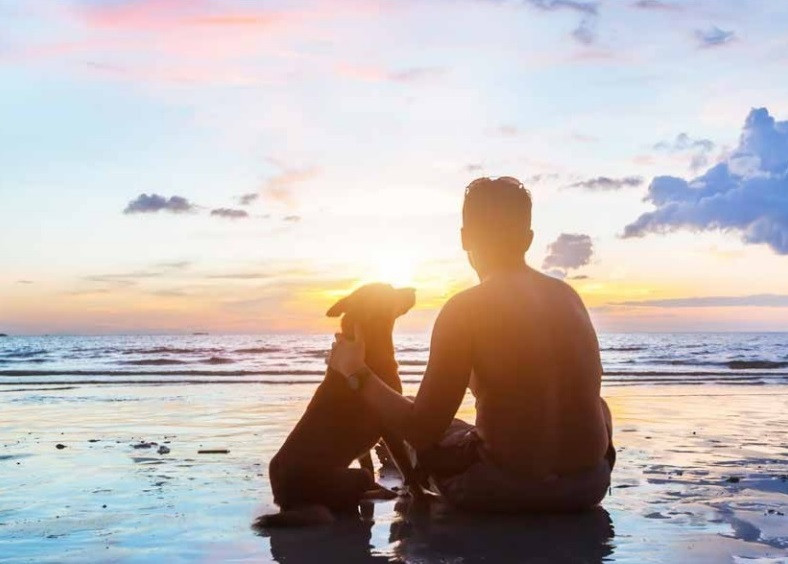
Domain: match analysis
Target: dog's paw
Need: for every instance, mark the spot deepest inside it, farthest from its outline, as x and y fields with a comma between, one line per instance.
x=379, y=493
x=300, y=517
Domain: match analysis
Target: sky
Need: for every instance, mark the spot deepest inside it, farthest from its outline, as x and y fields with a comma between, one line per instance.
x=237, y=166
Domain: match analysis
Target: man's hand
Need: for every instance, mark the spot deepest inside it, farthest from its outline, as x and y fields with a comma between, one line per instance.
x=347, y=356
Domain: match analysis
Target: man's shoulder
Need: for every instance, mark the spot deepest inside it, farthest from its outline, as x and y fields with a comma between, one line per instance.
x=556, y=286
x=463, y=297
x=460, y=303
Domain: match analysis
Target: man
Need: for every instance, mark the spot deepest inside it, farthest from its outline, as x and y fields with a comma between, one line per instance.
x=524, y=344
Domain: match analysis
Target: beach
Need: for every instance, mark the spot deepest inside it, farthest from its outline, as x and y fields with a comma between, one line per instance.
x=701, y=476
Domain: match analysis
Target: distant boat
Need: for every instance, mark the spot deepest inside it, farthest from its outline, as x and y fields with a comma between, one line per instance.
x=3, y=334
x=199, y=334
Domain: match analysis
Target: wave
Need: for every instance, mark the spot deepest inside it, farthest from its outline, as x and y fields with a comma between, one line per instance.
x=625, y=349
x=755, y=365
x=258, y=350
x=412, y=363
x=315, y=354
x=197, y=372
x=152, y=362
x=23, y=354
x=168, y=350
x=312, y=379
x=727, y=374
x=218, y=360
x=633, y=376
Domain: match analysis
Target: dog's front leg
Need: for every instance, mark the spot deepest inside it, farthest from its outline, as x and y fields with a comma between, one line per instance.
x=365, y=461
x=402, y=461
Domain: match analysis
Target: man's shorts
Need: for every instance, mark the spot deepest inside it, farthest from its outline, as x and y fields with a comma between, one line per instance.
x=466, y=477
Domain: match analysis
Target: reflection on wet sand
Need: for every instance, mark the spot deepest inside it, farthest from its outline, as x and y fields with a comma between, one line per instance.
x=438, y=534
x=700, y=478
x=346, y=540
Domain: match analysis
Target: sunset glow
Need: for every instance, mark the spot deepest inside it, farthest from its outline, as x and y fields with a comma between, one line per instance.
x=236, y=166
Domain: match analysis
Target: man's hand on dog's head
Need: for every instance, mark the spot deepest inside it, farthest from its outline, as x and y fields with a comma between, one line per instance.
x=347, y=355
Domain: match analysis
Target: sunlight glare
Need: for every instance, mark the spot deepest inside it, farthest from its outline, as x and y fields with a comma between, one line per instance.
x=397, y=269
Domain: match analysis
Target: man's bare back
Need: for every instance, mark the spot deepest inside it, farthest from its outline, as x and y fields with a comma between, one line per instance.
x=535, y=372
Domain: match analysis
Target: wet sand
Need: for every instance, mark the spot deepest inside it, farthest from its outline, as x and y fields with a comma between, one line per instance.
x=702, y=476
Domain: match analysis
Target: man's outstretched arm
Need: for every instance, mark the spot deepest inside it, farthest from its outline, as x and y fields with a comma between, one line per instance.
x=421, y=422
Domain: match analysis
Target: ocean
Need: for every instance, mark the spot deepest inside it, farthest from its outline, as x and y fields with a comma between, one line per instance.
x=103, y=455
x=628, y=359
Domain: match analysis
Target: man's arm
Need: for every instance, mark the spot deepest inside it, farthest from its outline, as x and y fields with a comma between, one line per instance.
x=422, y=422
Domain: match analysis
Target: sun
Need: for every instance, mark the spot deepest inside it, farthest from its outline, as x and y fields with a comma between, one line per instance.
x=397, y=269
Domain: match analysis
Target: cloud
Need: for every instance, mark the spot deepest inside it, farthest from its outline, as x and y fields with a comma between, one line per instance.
x=241, y=276
x=168, y=16
x=153, y=203
x=537, y=178
x=194, y=42
x=175, y=265
x=585, y=32
x=589, y=8
x=248, y=199
x=123, y=279
x=24, y=282
x=684, y=142
x=714, y=37
x=746, y=193
x=656, y=5
x=176, y=41
x=506, y=130
x=371, y=73
x=602, y=183
x=279, y=187
x=292, y=218
x=168, y=293
x=417, y=73
x=584, y=138
x=754, y=300
x=698, y=149
x=569, y=251
x=229, y=213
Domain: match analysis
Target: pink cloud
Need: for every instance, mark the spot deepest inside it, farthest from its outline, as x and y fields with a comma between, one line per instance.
x=279, y=188
x=373, y=73
x=183, y=41
x=174, y=14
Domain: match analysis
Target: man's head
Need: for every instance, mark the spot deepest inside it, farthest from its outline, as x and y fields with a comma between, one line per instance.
x=496, y=222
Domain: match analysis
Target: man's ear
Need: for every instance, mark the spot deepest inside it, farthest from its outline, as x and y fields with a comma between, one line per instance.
x=338, y=308
x=529, y=238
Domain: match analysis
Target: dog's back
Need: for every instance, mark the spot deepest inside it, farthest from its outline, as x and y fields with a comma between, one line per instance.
x=337, y=427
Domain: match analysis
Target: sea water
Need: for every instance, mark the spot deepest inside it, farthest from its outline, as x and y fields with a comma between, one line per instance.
x=628, y=359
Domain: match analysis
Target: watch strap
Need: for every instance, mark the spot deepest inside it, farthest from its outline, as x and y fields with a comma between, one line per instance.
x=360, y=376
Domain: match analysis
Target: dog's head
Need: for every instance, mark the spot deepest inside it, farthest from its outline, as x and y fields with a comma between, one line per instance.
x=373, y=306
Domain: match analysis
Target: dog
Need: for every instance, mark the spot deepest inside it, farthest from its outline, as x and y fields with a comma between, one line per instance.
x=310, y=475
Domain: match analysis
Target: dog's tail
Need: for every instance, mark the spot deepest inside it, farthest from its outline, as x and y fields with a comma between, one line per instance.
x=298, y=517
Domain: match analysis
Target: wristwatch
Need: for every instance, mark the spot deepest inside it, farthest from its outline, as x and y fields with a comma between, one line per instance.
x=357, y=379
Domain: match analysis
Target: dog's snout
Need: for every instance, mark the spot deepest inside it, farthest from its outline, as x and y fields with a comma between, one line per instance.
x=407, y=299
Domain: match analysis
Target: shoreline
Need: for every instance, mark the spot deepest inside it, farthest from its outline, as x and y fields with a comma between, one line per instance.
x=671, y=498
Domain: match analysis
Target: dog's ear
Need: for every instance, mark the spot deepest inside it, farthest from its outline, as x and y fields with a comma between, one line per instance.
x=338, y=308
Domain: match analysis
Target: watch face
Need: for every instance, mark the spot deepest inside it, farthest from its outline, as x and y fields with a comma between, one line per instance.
x=353, y=382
